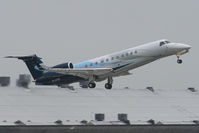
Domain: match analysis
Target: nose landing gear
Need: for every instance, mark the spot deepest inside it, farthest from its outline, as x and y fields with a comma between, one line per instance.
x=179, y=61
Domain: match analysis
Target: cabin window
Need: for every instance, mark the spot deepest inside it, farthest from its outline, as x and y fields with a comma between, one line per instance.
x=102, y=61
x=127, y=54
x=122, y=55
x=131, y=53
x=91, y=64
x=86, y=66
x=96, y=63
x=107, y=60
x=136, y=52
x=112, y=58
x=117, y=57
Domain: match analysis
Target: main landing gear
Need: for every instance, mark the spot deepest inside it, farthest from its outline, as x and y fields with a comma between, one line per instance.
x=108, y=85
x=92, y=85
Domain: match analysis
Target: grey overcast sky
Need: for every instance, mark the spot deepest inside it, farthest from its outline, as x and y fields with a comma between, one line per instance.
x=77, y=30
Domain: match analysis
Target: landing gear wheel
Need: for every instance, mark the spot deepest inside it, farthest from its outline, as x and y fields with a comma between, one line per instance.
x=91, y=85
x=179, y=61
x=108, y=86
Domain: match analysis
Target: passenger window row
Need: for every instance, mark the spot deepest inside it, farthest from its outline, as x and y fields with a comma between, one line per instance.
x=112, y=58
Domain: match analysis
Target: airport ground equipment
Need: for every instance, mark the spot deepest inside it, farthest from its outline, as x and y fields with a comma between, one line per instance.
x=192, y=89
x=4, y=81
x=23, y=81
x=99, y=117
x=150, y=89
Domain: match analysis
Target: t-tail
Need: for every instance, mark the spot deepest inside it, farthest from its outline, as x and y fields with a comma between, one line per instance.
x=33, y=63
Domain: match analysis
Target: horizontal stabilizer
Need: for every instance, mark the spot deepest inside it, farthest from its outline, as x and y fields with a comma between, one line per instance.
x=23, y=57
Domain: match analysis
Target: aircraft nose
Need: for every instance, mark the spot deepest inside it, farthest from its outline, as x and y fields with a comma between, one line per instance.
x=179, y=47
x=185, y=46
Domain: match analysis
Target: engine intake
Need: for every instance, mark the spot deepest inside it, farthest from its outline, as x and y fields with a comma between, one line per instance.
x=70, y=65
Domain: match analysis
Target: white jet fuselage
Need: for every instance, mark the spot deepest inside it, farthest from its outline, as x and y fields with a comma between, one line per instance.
x=123, y=61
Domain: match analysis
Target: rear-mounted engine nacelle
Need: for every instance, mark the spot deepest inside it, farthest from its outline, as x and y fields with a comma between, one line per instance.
x=68, y=65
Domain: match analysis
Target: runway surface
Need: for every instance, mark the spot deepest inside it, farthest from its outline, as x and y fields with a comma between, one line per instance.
x=101, y=129
x=45, y=105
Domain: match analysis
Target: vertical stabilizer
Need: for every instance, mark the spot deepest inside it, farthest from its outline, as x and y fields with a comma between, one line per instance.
x=32, y=62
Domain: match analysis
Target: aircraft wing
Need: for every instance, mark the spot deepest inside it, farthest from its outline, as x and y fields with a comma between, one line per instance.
x=81, y=72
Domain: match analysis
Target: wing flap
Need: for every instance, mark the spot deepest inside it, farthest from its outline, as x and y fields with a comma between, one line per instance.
x=82, y=72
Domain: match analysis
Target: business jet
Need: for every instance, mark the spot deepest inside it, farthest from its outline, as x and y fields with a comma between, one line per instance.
x=102, y=68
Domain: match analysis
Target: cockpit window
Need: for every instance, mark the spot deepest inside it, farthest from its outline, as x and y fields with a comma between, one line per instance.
x=162, y=43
